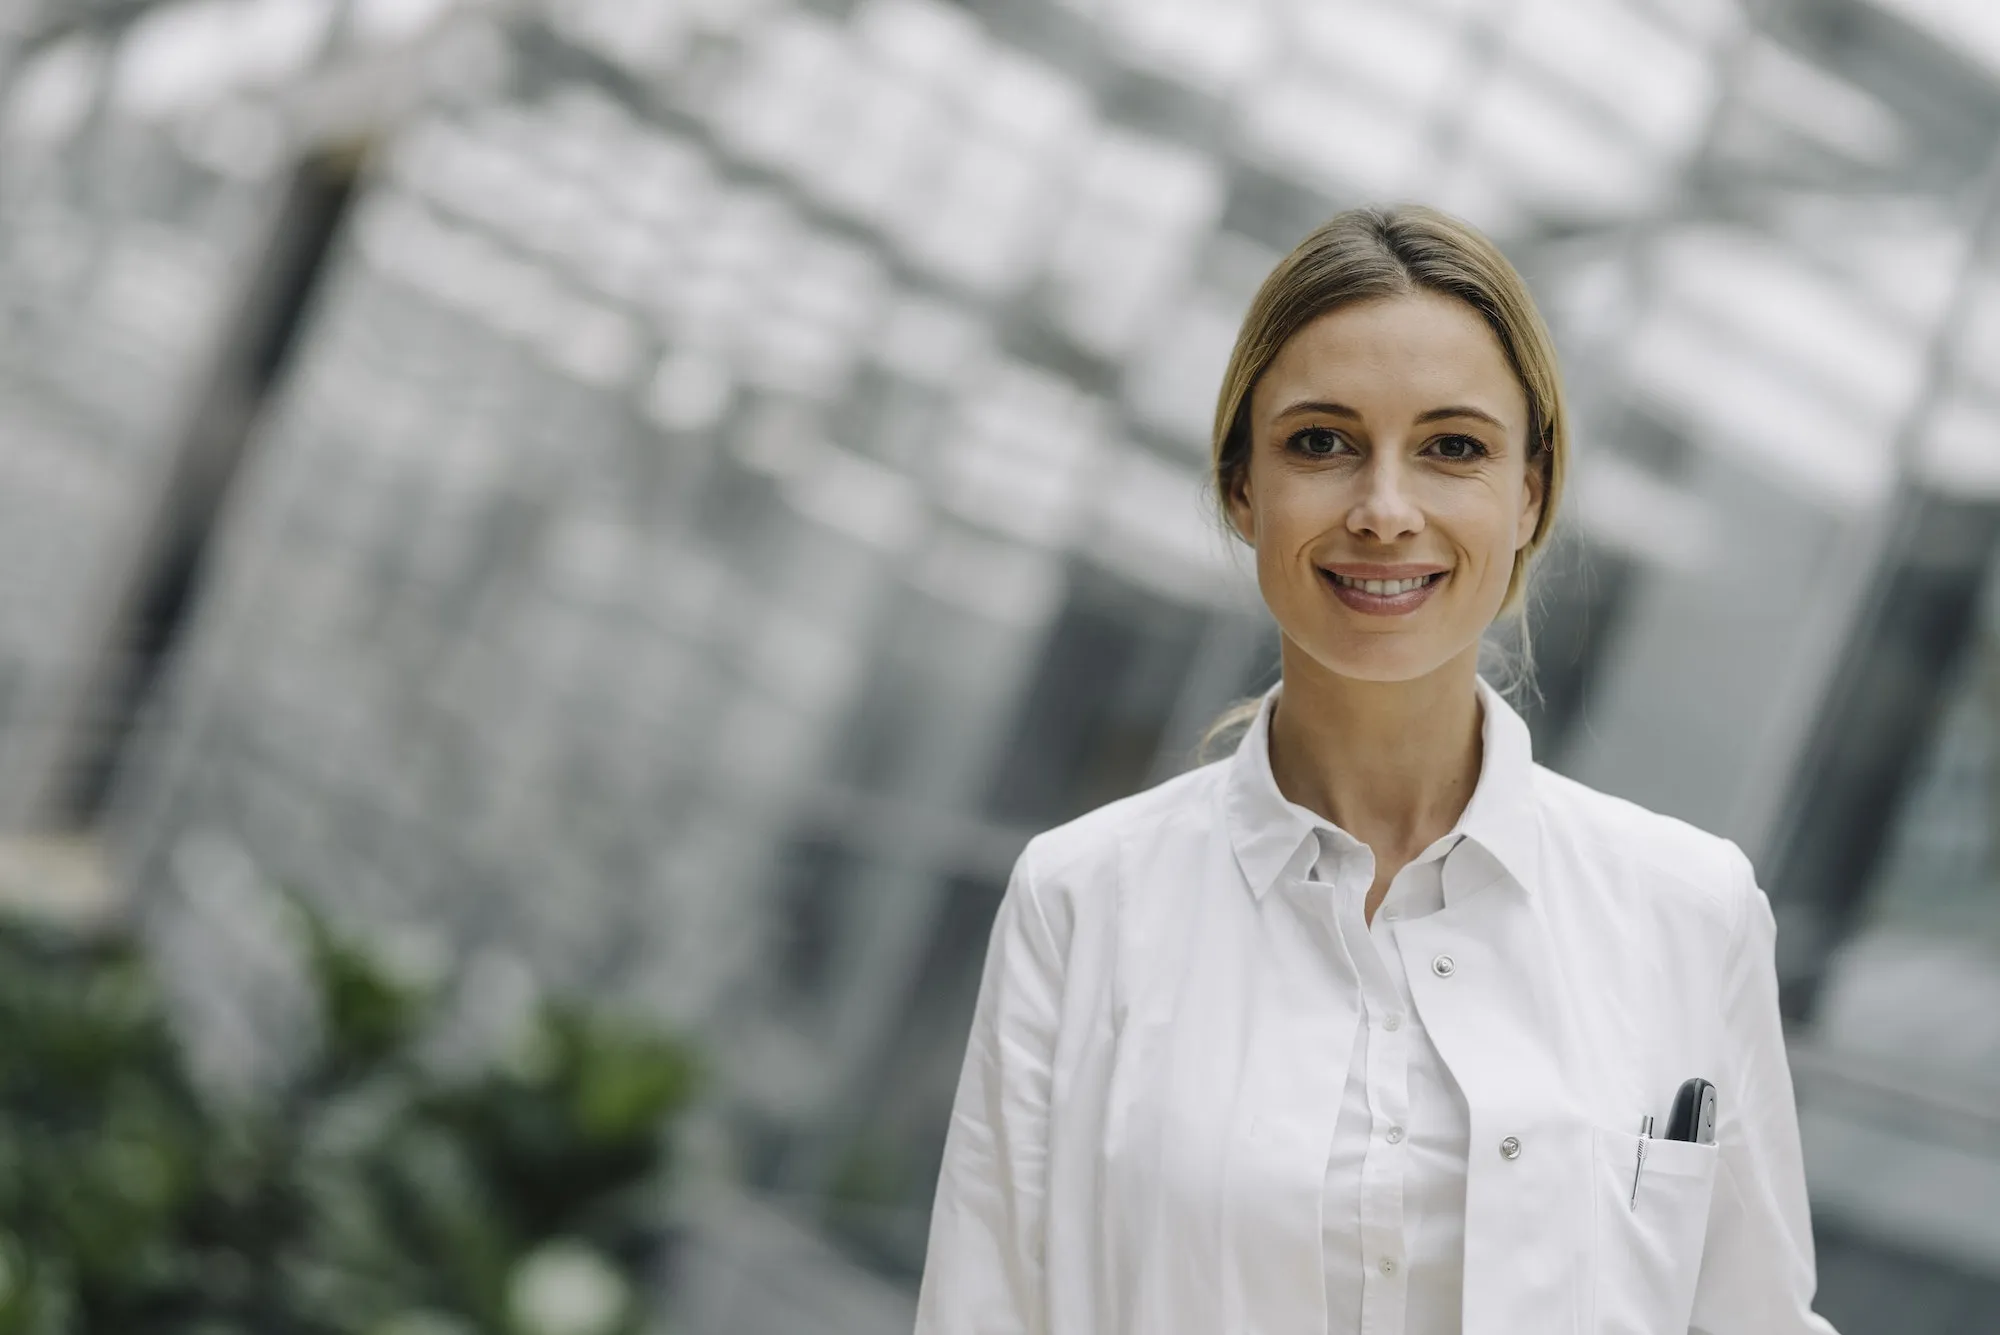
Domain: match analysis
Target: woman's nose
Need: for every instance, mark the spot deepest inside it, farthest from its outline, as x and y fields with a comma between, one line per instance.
x=1384, y=509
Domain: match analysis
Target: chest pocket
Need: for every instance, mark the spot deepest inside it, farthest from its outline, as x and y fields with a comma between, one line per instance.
x=1648, y=1256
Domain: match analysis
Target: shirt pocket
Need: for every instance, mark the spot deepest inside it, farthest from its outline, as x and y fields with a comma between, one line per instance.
x=1648, y=1252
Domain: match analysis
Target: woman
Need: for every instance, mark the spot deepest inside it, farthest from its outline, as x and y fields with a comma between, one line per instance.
x=1355, y=1029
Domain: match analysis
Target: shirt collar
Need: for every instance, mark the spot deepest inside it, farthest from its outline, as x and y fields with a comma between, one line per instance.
x=1270, y=833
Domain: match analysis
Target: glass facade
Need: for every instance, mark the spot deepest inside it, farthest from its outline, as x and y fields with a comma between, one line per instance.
x=662, y=498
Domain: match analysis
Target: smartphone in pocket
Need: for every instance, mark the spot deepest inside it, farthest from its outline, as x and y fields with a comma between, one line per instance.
x=1693, y=1117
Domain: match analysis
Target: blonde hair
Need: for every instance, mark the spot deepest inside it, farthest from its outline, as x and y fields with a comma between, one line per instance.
x=1366, y=254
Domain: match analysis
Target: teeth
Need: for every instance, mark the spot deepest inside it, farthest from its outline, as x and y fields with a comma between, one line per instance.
x=1383, y=586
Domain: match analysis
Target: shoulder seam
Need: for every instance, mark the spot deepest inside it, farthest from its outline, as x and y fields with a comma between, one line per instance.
x=1118, y=834
x=1746, y=877
x=1718, y=896
x=1034, y=899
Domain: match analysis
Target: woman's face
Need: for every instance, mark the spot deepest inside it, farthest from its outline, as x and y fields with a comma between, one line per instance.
x=1388, y=442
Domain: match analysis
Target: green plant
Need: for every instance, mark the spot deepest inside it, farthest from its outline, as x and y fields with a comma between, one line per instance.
x=373, y=1196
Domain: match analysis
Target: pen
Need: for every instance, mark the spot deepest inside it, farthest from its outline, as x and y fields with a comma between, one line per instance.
x=1645, y=1134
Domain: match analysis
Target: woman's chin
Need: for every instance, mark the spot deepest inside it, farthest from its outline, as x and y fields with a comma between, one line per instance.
x=1387, y=657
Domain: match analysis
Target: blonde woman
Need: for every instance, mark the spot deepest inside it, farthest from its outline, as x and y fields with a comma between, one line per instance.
x=1359, y=1028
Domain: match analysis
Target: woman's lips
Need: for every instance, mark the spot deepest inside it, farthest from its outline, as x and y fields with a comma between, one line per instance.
x=1383, y=604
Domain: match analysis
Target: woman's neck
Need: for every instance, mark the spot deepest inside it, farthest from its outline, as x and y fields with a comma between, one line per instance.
x=1393, y=763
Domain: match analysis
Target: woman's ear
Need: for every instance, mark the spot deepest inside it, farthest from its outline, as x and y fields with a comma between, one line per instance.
x=1534, y=487
x=1242, y=517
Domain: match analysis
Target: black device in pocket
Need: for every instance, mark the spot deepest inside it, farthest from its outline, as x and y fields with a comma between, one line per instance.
x=1693, y=1117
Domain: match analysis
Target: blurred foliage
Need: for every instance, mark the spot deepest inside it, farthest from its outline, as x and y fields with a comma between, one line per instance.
x=372, y=1196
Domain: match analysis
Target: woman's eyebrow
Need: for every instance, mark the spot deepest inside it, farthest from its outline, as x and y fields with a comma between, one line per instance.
x=1460, y=410
x=1328, y=408
x=1324, y=407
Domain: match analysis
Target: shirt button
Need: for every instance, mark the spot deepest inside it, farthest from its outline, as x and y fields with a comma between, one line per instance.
x=1388, y=1265
x=1391, y=915
x=1393, y=1022
x=1395, y=1135
x=1443, y=966
x=1510, y=1148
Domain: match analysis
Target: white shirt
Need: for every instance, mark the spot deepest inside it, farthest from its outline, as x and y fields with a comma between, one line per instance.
x=1144, y=1126
x=1395, y=1183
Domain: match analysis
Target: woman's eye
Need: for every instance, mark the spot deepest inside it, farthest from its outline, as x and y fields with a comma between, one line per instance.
x=1317, y=441
x=1460, y=448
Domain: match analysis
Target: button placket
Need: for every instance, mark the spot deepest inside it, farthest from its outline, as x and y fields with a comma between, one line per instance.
x=1392, y=1039
x=1385, y=1066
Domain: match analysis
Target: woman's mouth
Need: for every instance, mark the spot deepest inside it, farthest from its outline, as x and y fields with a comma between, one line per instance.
x=1384, y=597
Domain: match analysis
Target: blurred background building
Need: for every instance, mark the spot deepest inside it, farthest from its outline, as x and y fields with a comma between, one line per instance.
x=662, y=498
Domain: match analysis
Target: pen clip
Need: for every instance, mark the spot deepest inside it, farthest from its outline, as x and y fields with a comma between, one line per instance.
x=1645, y=1134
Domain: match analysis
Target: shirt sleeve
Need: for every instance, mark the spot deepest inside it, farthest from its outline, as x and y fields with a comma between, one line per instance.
x=1757, y=1270
x=983, y=1269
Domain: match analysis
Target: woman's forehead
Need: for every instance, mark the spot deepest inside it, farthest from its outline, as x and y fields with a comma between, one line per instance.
x=1392, y=349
